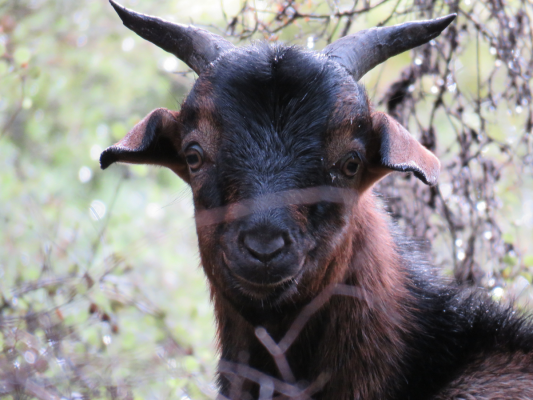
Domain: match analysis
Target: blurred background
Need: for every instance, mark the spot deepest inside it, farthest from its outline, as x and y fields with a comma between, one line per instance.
x=101, y=292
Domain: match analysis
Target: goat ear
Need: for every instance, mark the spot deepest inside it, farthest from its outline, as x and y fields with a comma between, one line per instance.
x=154, y=140
x=399, y=151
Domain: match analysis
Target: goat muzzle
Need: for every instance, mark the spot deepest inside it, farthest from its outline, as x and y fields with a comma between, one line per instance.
x=261, y=253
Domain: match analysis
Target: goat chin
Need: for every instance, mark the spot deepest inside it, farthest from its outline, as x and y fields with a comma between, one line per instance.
x=268, y=293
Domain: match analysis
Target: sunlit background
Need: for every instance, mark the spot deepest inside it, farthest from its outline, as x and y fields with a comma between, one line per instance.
x=102, y=295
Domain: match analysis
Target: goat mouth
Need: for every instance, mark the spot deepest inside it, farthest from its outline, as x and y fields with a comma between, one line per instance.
x=262, y=290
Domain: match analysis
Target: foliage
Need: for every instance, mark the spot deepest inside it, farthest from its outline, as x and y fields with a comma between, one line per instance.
x=101, y=294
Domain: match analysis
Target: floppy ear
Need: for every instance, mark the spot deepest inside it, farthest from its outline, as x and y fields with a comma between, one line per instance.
x=399, y=151
x=154, y=140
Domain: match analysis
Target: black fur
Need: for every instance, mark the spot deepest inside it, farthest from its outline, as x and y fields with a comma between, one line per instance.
x=274, y=112
x=457, y=327
x=273, y=106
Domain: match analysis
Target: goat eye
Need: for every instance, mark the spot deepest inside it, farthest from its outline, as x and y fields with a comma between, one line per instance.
x=194, y=155
x=350, y=165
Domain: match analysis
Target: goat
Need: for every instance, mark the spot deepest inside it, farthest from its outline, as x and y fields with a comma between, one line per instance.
x=316, y=295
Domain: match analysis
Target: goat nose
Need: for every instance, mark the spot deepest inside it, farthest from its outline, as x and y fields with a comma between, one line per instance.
x=264, y=246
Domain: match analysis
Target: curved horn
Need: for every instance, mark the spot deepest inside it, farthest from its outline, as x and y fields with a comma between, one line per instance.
x=194, y=46
x=362, y=51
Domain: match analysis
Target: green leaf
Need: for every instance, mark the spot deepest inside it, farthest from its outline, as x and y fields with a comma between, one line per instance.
x=509, y=260
x=190, y=364
x=528, y=260
x=506, y=273
x=3, y=67
x=508, y=238
x=118, y=131
x=27, y=103
x=22, y=55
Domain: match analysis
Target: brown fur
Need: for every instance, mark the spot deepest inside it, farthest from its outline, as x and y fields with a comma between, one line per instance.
x=207, y=129
x=496, y=377
x=344, y=308
x=374, y=329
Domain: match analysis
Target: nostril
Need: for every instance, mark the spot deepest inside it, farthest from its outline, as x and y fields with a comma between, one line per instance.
x=264, y=246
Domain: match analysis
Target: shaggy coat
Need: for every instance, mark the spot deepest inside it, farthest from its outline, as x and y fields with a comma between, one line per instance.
x=316, y=294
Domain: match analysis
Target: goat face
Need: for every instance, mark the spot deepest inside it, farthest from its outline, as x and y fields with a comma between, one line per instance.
x=277, y=144
x=255, y=133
